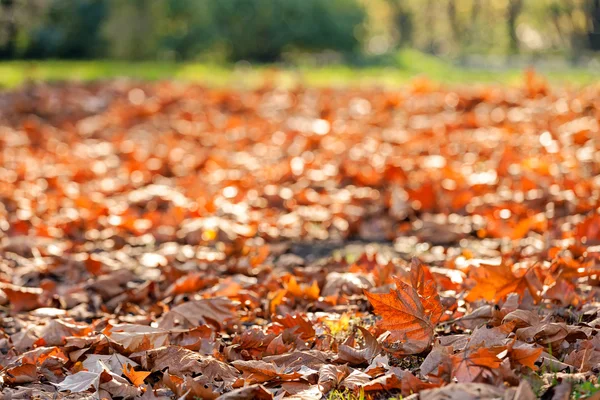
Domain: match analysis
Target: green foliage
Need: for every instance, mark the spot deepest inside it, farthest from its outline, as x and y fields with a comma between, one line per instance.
x=69, y=30
x=186, y=29
x=256, y=30
x=262, y=29
x=345, y=395
x=584, y=390
x=130, y=29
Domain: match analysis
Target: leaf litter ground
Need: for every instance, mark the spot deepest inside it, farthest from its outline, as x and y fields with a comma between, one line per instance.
x=168, y=240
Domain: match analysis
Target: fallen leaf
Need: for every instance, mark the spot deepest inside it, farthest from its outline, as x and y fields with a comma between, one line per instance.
x=407, y=314
x=354, y=356
x=400, y=379
x=330, y=376
x=137, y=337
x=180, y=361
x=80, y=382
x=526, y=355
x=297, y=359
x=464, y=391
x=258, y=371
x=215, y=311
x=473, y=365
x=24, y=373
x=135, y=377
x=22, y=298
x=251, y=392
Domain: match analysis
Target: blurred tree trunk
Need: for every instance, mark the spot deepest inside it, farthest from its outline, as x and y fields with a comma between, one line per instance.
x=8, y=30
x=431, y=18
x=463, y=29
x=403, y=22
x=455, y=25
x=594, y=24
x=513, y=11
x=475, y=12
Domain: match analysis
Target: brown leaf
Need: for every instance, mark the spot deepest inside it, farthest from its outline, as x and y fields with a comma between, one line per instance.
x=464, y=391
x=293, y=361
x=216, y=311
x=277, y=346
x=24, y=373
x=524, y=392
x=257, y=371
x=181, y=361
x=562, y=391
x=330, y=376
x=522, y=318
x=198, y=390
x=251, y=392
x=347, y=283
x=297, y=325
x=544, y=333
x=118, y=386
x=137, y=337
x=22, y=298
x=409, y=314
x=585, y=358
x=438, y=356
x=56, y=330
x=474, y=365
x=353, y=356
x=355, y=380
x=400, y=379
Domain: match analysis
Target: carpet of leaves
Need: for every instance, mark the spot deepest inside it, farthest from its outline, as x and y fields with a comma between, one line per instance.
x=168, y=240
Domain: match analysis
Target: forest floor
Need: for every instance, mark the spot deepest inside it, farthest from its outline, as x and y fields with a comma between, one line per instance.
x=173, y=240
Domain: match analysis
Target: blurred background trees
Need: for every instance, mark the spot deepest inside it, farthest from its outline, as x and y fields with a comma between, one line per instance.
x=276, y=30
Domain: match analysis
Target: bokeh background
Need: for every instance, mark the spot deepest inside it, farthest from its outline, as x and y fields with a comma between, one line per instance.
x=489, y=35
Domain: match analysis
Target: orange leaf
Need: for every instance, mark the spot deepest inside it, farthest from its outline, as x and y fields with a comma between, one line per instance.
x=495, y=282
x=25, y=373
x=406, y=313
x=188, y=284
x=136, y=377
x=491, y=279
x=526, y=356
x=310, y=292
x=22, y=298
x=422, y=280
x=469, y=366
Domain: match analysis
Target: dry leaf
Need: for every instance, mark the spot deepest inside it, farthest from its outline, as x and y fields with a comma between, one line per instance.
x=135, y=377
x=410, y=314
